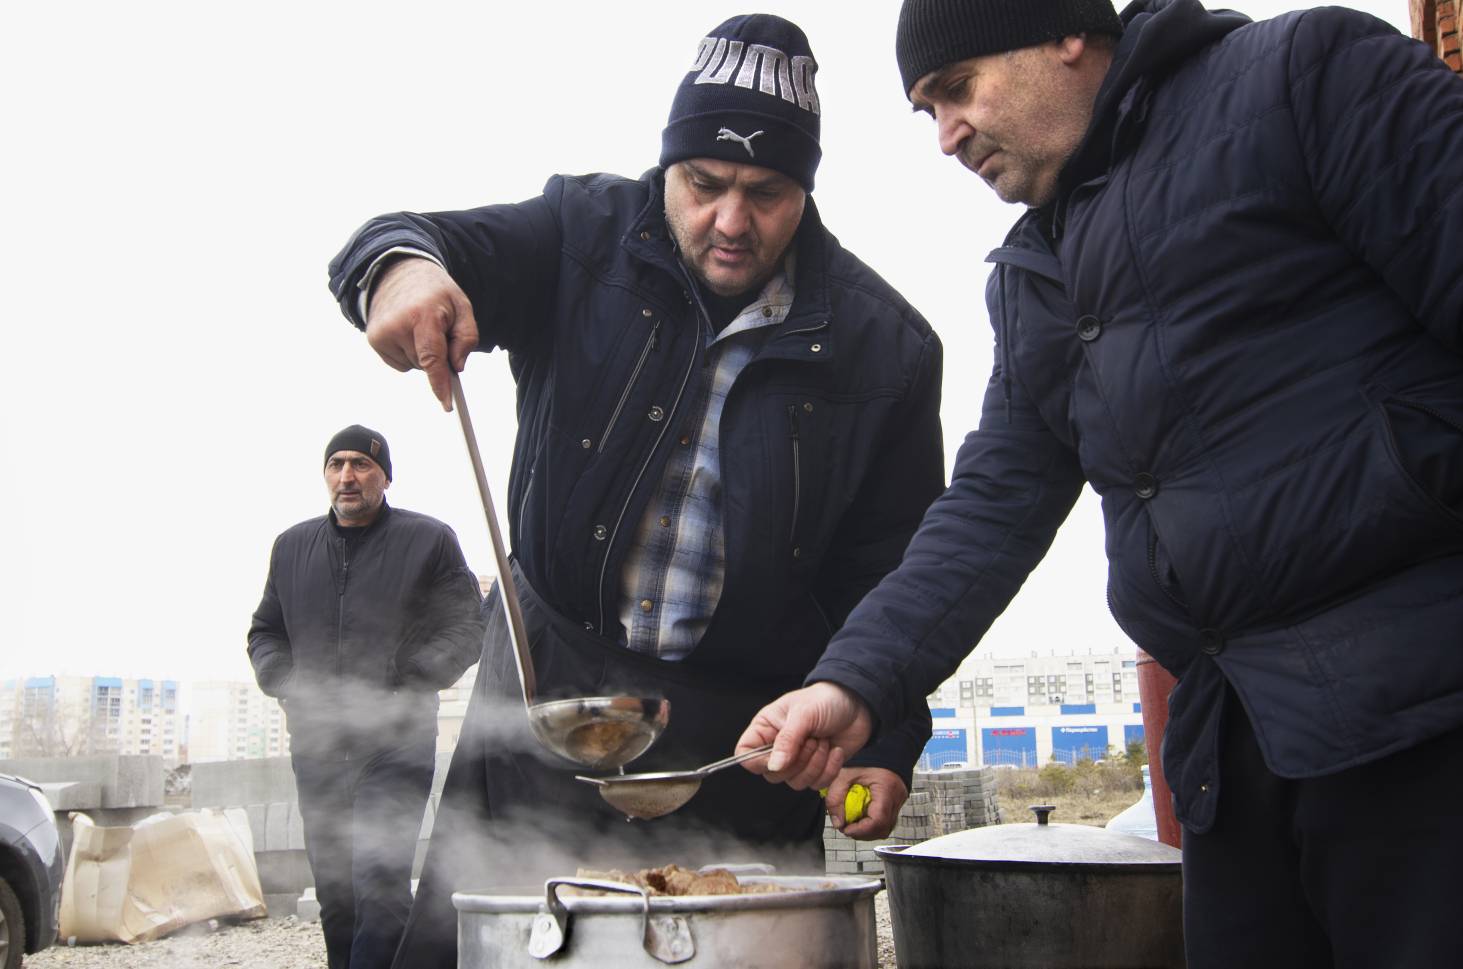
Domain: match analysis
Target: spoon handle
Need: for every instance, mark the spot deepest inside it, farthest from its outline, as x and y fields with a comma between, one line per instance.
x=717, y=765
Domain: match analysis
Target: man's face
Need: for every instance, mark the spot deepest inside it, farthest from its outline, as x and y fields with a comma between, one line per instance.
x=1012, y=118
x=357, y=486
x=732, y=221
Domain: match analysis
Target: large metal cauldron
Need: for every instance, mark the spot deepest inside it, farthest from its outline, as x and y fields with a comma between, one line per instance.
x=1045, y=896
x=827, y=925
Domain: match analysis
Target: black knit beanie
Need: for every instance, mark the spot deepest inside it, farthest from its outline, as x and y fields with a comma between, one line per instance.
x=749, y=97
x=365, y=440
x=933, y=33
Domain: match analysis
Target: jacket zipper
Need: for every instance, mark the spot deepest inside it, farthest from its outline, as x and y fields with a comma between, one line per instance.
x=639, y=475
x=345, y=568
x=797, y=470
x=1153, y=571
x=625, y=394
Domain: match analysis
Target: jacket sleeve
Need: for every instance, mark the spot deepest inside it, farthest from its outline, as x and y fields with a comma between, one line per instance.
x=269, y=641
x=1012, y=487
x=1379, y=118
x=505, y=258
x=454, y=639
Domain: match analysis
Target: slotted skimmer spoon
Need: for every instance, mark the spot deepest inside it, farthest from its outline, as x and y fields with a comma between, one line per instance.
x=648, y=796
x=600, y=732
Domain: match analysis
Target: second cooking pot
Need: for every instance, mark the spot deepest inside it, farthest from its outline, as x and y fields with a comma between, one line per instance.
x=1045, y=896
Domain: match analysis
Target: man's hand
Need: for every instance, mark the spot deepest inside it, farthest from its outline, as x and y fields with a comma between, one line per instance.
x=887, y=794
x=419, y=318
x=812, y=730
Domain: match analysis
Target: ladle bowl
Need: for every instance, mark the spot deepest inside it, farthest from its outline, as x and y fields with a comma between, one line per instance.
x=653, y=795
x=599, y=732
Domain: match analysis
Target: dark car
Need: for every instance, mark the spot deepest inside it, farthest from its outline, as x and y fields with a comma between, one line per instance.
x=30, y=871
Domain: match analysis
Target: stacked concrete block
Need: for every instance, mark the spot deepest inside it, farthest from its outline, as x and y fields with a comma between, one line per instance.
x=232, y=783
x=941, y=802
x=962, y=798
x=122, y=782
x=844, y=856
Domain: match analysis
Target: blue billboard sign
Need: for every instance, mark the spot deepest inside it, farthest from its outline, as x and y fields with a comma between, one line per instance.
x=1010, y=746
x=1071, y=744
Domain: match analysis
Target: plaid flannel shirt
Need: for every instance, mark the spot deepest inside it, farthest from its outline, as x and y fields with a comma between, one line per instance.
x=676, y=564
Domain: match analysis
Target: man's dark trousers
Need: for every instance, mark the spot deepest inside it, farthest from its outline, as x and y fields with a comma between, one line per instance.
x=362, y=816
x=1355, y=870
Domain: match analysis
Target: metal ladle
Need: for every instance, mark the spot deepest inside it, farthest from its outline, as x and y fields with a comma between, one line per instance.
x=601, y=732
x=648, y=796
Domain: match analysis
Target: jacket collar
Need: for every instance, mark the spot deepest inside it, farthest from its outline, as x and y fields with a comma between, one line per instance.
x=1158, y=37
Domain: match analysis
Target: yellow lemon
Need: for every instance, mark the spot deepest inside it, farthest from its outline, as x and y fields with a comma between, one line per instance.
x=855, y=802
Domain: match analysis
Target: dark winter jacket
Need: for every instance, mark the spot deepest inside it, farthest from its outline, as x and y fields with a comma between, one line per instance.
x=1240, y=322
x=830, y=441
x=357, y=638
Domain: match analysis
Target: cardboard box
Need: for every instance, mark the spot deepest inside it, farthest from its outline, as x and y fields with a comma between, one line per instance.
x=141, y=882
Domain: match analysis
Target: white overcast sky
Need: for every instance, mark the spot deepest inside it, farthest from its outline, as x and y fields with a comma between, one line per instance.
x=177, y=176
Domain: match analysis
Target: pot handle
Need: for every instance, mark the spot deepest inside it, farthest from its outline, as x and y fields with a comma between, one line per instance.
x=666, y=937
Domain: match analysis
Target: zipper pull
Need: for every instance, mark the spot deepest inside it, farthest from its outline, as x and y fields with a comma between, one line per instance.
x=792, y=421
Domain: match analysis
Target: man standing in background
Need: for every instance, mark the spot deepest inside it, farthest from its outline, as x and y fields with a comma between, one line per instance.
x=368, y=611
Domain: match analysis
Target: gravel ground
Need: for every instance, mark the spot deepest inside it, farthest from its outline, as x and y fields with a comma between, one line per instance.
x=266, y=944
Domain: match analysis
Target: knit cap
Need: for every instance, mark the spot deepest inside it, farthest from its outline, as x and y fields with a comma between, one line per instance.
x=933, y=33
x=363, y=439
x=749, y=97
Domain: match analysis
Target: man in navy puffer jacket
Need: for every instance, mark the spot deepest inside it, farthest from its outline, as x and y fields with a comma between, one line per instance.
x=728, y=430
x=1234, y=309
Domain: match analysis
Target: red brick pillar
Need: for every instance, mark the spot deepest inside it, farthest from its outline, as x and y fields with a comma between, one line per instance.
x=1435, y=23
x=1154, y=685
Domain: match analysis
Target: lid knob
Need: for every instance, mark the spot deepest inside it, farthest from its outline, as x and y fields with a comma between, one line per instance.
x=1043, y=811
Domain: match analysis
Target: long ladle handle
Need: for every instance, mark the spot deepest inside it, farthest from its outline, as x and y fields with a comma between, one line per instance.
x=507, y=590
x=717, y=765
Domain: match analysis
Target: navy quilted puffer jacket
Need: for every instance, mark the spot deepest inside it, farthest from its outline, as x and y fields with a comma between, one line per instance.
x=1240, y=321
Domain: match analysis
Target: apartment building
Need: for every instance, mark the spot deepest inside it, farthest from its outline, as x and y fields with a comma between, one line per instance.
x=61, y=716
x=1032, y=710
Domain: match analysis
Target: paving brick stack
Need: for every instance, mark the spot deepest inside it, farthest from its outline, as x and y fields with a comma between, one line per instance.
x=962, y=798
x=942, y=802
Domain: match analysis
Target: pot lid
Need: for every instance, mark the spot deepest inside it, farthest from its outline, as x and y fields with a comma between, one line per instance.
x=1041, y=843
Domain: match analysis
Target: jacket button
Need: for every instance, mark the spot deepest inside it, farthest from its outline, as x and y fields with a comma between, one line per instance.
x=586, y=444
x=657, y=413
x=1211, y=641
x=1145, y=486
x=797, y=551
x=645, y=236
x=646, y=605
x=1089, y=328
x=588, y=625
x=646, y=313
x=601, y=533
x=816, y=348
x=665, y=521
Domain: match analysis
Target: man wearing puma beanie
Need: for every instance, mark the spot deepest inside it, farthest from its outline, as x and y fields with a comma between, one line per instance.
x=1232, y=306
x=722, y=413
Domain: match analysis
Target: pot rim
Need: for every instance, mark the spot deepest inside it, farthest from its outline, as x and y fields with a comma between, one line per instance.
x=894, y=854
x=815, y=894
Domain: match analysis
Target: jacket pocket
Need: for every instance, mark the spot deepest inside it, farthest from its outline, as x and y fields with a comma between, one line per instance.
x=650, y=342
x=1426, y=444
